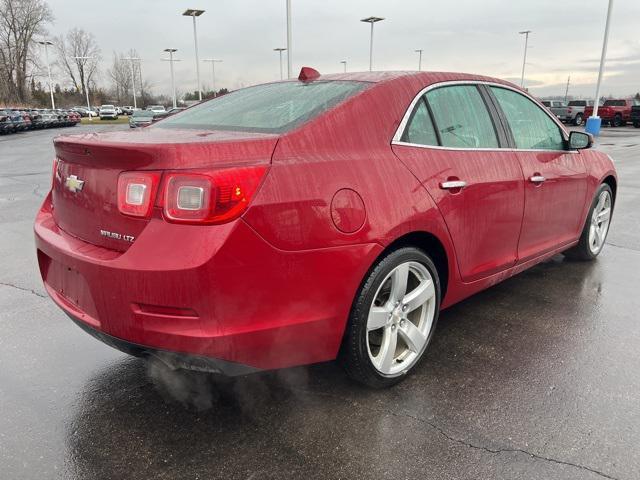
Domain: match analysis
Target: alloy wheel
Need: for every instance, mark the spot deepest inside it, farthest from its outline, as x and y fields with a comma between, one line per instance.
x=400, y=318
x=600, y=218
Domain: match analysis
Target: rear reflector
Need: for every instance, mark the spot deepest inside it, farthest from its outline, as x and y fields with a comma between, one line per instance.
x=211, y=197
x=136, y=192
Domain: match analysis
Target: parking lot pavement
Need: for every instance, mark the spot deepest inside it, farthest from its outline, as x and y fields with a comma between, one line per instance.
x=536, y=378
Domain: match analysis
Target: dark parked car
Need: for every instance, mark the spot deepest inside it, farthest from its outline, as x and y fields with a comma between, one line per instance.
x=19, y=124
x=6, y=125
x=635, y=116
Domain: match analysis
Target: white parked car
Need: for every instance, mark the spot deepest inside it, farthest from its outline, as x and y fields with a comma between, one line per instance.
x=108, y=112
x=157, y=108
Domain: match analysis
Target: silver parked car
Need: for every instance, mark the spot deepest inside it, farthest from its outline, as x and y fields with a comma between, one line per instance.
x=557, y=107
x=575, y=111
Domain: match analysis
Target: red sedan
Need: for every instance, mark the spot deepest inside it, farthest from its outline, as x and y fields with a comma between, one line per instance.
x=320, y=218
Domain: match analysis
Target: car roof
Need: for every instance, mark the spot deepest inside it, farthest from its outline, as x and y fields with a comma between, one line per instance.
x=424, y=77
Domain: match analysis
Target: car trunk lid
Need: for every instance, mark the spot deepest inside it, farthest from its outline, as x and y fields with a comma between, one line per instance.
x=84, y=192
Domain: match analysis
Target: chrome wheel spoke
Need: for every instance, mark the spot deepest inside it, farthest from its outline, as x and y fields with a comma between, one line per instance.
x=419, y=296
x=386, y=356
x=378, y=318
x=412, y=336
x=604, y=215
x=399, y=279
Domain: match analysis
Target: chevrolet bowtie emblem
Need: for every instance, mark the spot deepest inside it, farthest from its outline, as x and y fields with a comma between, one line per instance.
x=73, y=183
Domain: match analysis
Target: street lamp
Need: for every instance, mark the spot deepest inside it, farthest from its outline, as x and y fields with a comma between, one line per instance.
x=133, y=79
x=524, y=60
x=280, y=50
x=371, y=20
x=594, y=122
x=46, y=43
x=193, y=13
x=419, y=52
x=85, y=84
x=344, y=64
x=289, y=39
x=213, y=71
x=171, y=51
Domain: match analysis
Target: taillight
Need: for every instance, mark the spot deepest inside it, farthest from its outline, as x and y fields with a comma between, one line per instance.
x=210, y=197
x=136, y=192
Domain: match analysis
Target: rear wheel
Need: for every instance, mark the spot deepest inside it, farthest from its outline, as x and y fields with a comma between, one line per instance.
x=617, y=120
x=594, y=233
x=578, y=120
x=392, y=319
x=636, y=124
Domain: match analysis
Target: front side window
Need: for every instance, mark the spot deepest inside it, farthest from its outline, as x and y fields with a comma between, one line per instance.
x=461, y=117
x=271, y=108
x=420, y=129
x=531, y=127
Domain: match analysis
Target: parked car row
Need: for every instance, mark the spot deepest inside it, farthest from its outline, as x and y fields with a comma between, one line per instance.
x=614, y=112
x=13, y=120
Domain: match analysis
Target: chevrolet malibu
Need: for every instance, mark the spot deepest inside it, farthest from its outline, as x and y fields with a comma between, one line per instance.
x=302, y=221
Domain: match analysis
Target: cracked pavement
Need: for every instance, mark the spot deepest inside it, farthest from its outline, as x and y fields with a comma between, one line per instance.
x=535, y=378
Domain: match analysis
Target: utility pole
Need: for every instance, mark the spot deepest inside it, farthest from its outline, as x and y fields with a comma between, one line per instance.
x=524, y=60
x=280, y=50
x=419, y=51
x=171, y=51
x=566, y=90
x=46, y=43
x=371, y=20
x=133, y=79
x=213, y=62
x=344, y=64
x=289, y=47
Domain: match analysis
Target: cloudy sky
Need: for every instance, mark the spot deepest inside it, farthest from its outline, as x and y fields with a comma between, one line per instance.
x=456, y=35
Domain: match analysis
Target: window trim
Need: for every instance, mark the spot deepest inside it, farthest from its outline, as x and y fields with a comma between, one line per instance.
x=396, y=140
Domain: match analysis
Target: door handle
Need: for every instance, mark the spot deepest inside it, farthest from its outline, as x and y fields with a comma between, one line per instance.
x=537, y=179
x=453, y=184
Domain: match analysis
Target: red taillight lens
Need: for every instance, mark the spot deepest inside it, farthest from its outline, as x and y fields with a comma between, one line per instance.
x=210, y=197
x=136, y=192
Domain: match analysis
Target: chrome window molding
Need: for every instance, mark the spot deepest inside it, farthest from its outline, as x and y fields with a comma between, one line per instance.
x=396, y=140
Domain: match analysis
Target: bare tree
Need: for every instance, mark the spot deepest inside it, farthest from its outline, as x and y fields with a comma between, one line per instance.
x=20, y=21
x=120, y=74
x=78, y=56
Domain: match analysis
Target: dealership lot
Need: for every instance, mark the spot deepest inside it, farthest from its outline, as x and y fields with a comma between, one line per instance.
x=534, y=378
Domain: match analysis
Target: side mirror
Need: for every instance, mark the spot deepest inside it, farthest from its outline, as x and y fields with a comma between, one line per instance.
x=580, y=140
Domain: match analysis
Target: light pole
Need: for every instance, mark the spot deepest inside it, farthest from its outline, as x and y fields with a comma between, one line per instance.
x=371, y=20
x=419, y=52
x=85, y=84
x=46, y=43
x=193, y=13
x=213, y=62
x=289, y=39
x=524, y=60
x=171, y=51
x=344, y=64
x=594, y=122
x=280, y=50
x=133, y=79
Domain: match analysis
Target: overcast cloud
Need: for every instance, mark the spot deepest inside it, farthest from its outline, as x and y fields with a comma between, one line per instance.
x=456, y=35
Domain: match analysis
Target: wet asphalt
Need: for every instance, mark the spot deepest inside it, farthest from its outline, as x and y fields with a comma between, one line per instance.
x=536, y=378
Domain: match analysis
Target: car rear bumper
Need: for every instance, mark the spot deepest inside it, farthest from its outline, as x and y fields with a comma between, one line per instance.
x=218, y=292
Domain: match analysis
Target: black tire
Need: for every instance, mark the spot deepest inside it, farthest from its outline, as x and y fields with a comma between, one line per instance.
x=636, y=124
x=582, y=251
x=354, y=353
x=577, y=121
x=617, y=121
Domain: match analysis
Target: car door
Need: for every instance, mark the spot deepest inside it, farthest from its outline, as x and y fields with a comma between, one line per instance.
x=555, y=178
x=451, y=142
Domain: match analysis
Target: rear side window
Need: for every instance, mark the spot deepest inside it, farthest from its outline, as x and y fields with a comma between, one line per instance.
x=532, y=128
x=578, y=103
x=420, y=129
x=614, y=103
x=270, y=108
x=461, y=117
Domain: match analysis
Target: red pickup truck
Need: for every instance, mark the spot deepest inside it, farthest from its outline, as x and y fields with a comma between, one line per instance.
x=614, y=112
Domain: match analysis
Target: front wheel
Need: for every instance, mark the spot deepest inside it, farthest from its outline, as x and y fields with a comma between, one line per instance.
x=596, y=227
x=392, y=319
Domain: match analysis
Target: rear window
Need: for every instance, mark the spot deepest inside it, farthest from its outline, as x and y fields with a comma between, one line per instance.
x=578, y=103
x=614, y=103
x=271, y=108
